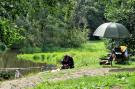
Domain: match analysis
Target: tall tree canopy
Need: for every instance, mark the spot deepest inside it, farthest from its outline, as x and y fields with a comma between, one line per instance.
x=64, y=23
x=44, y=23
x=90, y=12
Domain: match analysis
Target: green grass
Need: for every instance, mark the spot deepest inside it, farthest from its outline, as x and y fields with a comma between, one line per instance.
x=86, y=55
x=121, y=80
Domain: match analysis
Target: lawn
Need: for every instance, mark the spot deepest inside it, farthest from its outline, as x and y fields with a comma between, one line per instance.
x=86, y=55
x=114, y=81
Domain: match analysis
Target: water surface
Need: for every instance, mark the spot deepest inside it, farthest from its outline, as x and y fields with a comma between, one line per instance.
x=9, y=62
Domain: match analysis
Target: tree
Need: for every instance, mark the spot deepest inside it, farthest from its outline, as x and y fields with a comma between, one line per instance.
x=123, y=11
x=9, y=33
x=44, y=22
x=89, y=13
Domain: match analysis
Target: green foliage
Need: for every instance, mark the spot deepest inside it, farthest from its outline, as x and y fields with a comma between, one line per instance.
x=43, y=22
x=3, y=47
x=9, y=33
x=89, y=13
x=36, y=57
x=60, y=23
x=123, y=11
x=74, y=37
x=120, y=80
x=6, y=75
x=30, y=49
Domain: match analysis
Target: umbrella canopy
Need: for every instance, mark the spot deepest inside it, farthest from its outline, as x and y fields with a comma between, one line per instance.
x=112, y=30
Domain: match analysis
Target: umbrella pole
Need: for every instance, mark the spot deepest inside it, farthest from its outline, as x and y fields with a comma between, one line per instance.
x=117, y=43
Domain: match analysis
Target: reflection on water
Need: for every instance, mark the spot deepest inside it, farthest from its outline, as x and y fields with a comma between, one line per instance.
x=9, y=60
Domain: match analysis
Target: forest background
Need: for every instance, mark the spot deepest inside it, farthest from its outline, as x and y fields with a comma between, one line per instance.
x=30, y=26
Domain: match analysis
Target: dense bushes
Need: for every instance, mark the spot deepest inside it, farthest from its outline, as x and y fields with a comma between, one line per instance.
x=43, y=24
x=6, y=75
x=59, y=23
x=31, y=49
x=74, y=38
x=10, y=33
x=3, y=47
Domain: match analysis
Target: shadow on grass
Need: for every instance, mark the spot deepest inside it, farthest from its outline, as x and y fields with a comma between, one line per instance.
x=123, y=70
x=109, y=66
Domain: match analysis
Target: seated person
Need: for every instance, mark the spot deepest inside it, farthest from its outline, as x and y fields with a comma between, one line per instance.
x=120, y=53
x=124, y=51
x=117, y=51
x=67, y=62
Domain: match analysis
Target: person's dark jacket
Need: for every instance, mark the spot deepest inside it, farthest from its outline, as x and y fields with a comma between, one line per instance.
x=67, y=62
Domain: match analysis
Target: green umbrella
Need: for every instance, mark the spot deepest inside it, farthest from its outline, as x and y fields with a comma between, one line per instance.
x=112, y=30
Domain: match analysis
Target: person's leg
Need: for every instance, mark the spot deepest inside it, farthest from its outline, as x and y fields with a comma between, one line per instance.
x=111, y=62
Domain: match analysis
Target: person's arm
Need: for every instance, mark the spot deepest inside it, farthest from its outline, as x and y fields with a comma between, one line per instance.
x=126, y=53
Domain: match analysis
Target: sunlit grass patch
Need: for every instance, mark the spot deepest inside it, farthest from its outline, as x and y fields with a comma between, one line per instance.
x=121, y=80
x=86, y=55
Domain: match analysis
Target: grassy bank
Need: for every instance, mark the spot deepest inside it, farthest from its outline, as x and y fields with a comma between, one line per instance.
x=86, y=55
x=114, y=81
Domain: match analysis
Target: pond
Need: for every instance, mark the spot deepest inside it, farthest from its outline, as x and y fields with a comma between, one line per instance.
x=9, y=64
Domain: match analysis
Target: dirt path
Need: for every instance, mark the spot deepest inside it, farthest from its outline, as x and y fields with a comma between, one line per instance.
x=35, y=79
x=21, y=83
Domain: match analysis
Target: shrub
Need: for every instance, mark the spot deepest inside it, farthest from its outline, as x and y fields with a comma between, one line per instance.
x=6, y=75
x=3, y=47
x=74, y=37
x=42, y=57
x=31, y=50
x=36, y=57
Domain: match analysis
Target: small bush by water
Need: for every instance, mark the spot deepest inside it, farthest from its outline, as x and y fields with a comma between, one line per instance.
x=4, y=75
